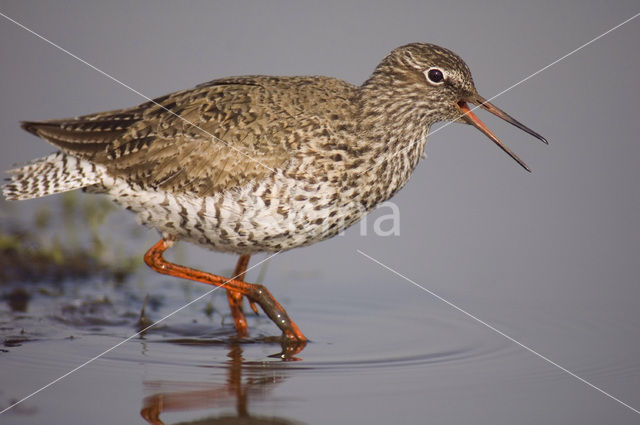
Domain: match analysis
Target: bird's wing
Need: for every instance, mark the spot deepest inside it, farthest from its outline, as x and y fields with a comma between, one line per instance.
x=214, y=137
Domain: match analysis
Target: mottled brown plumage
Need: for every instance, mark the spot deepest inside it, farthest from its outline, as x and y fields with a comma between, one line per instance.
x=258, y=163
x=216, y=136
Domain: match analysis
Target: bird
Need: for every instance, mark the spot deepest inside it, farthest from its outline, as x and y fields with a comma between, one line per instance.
x=260, y=164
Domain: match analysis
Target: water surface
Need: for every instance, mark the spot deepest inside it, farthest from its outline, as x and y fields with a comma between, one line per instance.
x=375, y=356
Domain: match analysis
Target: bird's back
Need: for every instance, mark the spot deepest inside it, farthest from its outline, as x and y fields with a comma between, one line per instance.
x=216, y=136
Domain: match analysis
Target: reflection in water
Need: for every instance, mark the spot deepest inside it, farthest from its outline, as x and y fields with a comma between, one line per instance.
x=172, y=396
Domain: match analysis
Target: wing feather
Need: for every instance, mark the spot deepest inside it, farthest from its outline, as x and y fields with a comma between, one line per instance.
x=211, y=138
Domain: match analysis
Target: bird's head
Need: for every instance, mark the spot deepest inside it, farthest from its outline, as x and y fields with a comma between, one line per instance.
x=430, y=83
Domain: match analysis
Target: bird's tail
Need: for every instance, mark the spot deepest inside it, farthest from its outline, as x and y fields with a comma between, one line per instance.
x=52, y=174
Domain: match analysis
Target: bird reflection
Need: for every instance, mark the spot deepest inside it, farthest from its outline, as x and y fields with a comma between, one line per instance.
x=172, y=396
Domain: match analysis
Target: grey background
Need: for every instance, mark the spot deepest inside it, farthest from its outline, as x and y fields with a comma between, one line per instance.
x=550, y=257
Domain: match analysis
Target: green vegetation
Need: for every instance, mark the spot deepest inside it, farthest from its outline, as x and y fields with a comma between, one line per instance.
x=64, y=239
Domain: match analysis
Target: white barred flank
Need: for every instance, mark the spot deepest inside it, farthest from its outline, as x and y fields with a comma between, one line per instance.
x=243, y=220
x=52, y=174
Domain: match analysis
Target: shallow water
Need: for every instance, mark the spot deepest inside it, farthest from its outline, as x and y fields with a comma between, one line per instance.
x=376, y=356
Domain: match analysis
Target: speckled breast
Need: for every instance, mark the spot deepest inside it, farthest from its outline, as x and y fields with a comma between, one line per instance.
x=276, y=213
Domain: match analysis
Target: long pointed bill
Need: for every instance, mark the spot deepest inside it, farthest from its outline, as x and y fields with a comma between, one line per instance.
x=486, y=105
x=470, y=118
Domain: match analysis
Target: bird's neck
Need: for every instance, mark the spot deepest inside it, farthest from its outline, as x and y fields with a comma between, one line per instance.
x=395, y=128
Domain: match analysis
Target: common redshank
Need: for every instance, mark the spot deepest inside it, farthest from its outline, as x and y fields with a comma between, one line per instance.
x=259, y=163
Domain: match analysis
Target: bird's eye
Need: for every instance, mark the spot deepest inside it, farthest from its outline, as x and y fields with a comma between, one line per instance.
x=434, y=75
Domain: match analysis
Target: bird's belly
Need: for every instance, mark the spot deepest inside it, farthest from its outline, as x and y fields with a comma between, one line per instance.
x=268, y=216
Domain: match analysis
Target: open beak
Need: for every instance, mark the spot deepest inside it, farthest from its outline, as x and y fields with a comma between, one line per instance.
x=470, y=118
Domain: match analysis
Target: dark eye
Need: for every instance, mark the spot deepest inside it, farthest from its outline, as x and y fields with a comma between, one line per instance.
x=435, y=75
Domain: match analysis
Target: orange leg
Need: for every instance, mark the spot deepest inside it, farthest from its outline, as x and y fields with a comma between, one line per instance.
x=235, y=298
x=256, y=293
